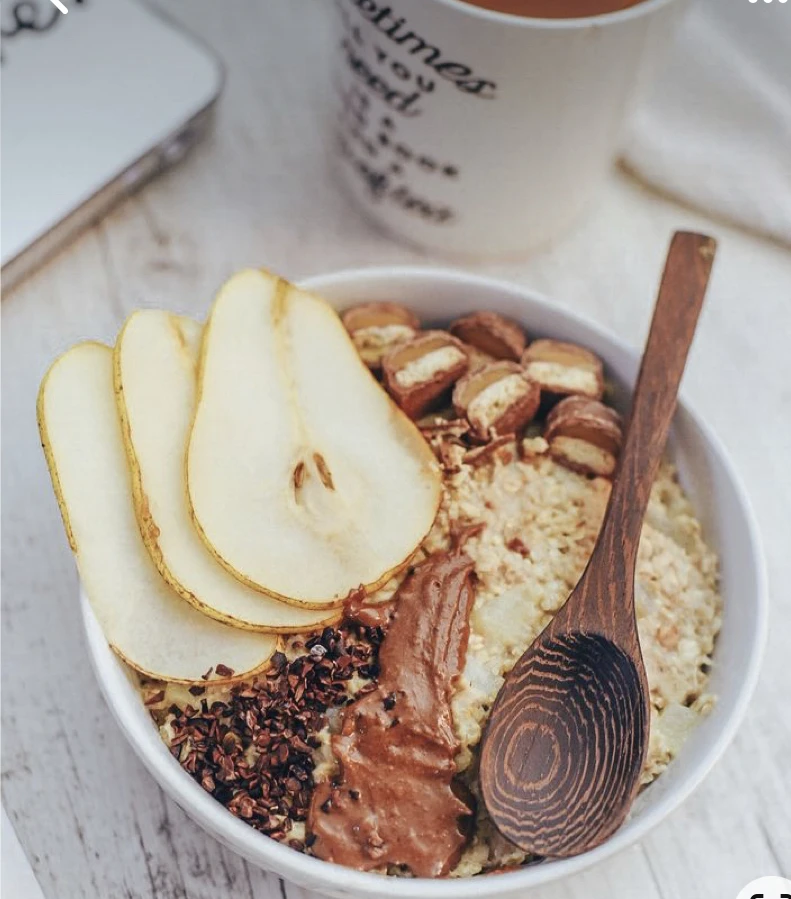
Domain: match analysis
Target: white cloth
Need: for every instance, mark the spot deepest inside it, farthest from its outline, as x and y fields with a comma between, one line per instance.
x=714, y=130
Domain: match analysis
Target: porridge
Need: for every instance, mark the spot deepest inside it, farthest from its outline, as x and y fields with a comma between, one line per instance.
x=374, y=522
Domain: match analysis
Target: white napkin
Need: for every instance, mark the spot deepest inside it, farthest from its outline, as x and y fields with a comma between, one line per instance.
x=715, y=128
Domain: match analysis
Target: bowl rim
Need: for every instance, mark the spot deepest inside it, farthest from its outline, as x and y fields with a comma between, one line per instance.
x=284, y=861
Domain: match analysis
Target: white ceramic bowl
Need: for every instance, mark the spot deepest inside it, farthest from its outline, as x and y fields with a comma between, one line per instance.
x=720, y=502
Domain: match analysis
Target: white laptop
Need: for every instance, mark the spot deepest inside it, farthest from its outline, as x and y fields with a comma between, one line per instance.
x=94, y=103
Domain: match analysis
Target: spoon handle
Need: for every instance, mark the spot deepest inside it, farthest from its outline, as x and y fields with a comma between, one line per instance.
x=678, y=306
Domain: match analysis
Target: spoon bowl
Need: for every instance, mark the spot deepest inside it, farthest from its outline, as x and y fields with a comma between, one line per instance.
x=592, y=692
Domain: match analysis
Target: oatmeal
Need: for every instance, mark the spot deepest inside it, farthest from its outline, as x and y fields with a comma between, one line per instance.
x=311, y=752
x=323, y=542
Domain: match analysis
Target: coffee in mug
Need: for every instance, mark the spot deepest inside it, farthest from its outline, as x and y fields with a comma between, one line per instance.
x=555, y=9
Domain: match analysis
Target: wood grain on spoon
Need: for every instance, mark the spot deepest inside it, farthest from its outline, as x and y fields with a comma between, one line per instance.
x=567, y=736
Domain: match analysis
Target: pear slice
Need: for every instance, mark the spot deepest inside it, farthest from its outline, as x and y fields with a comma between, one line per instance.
x=155, y=365
x=146, y=623
x=305, y=480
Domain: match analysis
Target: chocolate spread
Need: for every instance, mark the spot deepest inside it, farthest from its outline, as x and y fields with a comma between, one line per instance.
x=394, y=801
x=359, y=610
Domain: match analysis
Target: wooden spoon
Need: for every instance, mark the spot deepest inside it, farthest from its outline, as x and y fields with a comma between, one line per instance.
x=567, y=736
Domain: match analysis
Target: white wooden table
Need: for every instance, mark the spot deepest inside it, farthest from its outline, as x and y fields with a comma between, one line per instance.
x=259, y=191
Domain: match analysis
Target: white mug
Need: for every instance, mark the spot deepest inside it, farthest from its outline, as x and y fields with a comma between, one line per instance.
x=480, y=134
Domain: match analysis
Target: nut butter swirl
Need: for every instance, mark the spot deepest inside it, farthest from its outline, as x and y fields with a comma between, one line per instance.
x=394, y=802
